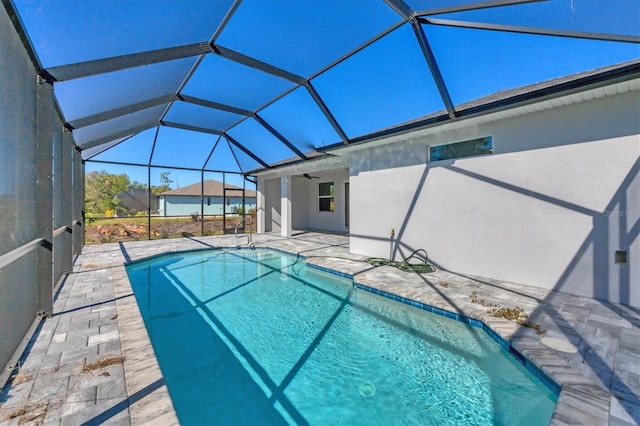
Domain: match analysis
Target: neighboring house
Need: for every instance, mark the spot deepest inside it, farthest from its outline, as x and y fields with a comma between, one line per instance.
x=133, y=201
x=186, y=201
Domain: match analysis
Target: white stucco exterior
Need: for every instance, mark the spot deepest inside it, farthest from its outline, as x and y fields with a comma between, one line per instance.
x=272, y=204
x=559, y=195
x=301, y=196
x=174, y=205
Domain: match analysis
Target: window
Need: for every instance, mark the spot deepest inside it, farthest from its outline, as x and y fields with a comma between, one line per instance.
x=326, y=201
x=468, y=148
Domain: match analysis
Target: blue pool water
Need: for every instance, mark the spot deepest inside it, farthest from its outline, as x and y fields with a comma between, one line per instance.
x=256, y=337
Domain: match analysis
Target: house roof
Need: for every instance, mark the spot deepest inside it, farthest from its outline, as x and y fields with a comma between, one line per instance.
x=212, y=188
x=533, y=92
x=498, y=101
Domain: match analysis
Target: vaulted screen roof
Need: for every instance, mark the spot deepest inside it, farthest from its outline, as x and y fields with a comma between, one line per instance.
x=230, y=85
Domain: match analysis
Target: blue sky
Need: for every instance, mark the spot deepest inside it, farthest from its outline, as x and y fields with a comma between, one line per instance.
x=385, y=84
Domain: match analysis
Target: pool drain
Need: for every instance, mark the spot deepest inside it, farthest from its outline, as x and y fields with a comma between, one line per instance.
x=367, y=389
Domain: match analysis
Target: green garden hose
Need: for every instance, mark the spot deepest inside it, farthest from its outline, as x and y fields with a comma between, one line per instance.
x=419, y=268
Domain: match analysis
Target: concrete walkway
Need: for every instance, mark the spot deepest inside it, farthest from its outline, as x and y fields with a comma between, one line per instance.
x=91, y=362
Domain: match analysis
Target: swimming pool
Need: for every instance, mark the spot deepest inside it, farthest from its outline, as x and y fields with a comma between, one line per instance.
x=257, y=337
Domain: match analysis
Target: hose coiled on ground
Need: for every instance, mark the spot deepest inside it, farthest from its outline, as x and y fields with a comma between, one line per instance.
x=418, y=268
x=404, y=265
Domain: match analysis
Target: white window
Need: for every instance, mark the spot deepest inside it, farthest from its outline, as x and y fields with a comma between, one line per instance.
x=480, y=146
x=326, y=201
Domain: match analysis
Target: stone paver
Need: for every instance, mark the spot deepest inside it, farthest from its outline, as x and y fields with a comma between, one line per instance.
x=96, y=315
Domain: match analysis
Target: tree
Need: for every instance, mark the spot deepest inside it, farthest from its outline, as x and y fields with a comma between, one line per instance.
x=101, y=188
x=165, y=183
x=137, y=185
x=164, y=178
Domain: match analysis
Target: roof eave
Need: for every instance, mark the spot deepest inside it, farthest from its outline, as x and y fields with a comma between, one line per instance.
x=611, y=76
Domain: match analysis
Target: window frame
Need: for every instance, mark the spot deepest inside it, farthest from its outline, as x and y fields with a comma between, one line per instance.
x=331, y=197
x=454, y=155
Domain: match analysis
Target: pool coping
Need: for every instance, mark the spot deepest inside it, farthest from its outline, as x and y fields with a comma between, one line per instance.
x=142, y=372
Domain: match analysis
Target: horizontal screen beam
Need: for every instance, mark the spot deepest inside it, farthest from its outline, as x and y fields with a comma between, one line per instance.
x=117, y=63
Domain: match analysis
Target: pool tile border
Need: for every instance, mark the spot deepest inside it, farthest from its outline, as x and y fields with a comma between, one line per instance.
x=526, y=363
x=171, y=253
x=552, y=385
x=504, y=344
x=328, y=270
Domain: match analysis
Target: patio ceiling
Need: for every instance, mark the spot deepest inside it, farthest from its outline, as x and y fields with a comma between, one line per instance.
x=236, y=85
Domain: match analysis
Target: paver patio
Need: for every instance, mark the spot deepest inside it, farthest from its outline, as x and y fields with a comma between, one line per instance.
x=96, y=316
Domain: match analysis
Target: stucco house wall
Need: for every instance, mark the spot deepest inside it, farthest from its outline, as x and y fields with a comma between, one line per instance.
x=322, y=220
x=182, y=205
x=306, y=214
x=186, y=200
x=272, y=208
x=559, y=195
x=300, y=195
x=553, y=205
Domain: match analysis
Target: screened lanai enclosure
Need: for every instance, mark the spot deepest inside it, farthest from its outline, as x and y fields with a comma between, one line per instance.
x=328, y=113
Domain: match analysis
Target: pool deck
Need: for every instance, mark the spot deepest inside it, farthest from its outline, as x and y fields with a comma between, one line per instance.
x=96, y=315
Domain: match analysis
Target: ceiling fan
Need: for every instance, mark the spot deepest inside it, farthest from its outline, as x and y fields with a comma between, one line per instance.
x=308, y=176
